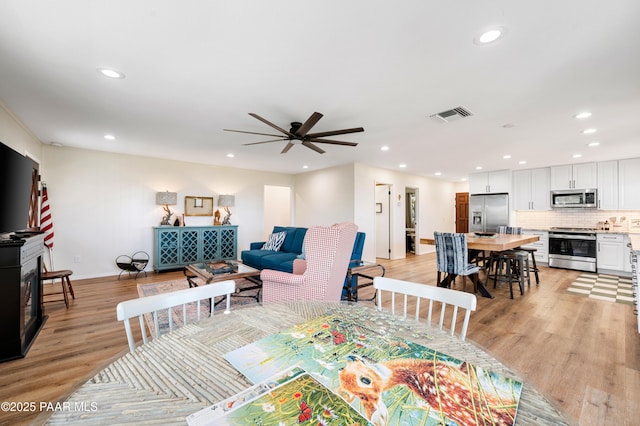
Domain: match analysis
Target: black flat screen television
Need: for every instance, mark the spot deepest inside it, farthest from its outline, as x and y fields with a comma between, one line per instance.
x=15, y=190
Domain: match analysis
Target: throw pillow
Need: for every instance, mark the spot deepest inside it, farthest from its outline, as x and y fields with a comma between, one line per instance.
x=274, y=242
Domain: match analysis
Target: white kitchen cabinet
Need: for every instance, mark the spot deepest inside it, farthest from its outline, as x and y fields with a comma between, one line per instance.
x=608, y=185
x=531, y=189
x=542, y=245
x=629, y=184
x=611, y=253
x=490, y=182
x=574, y=176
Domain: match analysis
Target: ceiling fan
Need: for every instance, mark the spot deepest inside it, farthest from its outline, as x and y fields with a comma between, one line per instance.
x=299, y=134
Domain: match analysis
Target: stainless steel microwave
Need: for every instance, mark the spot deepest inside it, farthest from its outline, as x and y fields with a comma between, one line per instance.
x=574, y=198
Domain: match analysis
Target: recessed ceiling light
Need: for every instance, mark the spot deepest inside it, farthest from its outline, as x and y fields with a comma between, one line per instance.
x=402, y=166
x=506, y=157
x=384, y=148
x=437, y=173
x=522, y=162
x=582, y=115
x=305, y=167
x=577, y=155
x=56, y=144
x=110, y=73
x=589, y=131
x=230, y=155
x=478, y=167
x=594, y=143
x=463, y=179
x=508, y=125
x=488, y=36
x=110, y=137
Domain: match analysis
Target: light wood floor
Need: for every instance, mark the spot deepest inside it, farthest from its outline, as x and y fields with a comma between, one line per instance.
x=583, y=354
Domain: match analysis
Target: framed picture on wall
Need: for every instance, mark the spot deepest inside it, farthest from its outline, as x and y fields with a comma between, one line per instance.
x=198, y=206
x=378, y=207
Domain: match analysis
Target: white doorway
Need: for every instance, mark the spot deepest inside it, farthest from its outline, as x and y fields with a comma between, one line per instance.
x=383, y=221
x=277, y=207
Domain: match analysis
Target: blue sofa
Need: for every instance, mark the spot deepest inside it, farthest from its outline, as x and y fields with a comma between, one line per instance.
x=291, y=249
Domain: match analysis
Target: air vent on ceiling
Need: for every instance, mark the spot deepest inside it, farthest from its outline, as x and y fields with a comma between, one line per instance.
x=451, y=115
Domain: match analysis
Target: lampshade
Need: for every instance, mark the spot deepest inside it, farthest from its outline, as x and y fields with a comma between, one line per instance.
x=167, y=198
x=226, y=200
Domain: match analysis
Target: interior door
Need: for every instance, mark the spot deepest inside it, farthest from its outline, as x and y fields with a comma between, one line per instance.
x=383, y=221
x=462, y=212
x=411, y=219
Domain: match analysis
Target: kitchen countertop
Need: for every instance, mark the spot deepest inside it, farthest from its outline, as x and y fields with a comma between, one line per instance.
x=598, y=231
x=635, y=242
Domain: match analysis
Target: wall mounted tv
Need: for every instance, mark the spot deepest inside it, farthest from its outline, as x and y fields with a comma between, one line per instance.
x=15, y=190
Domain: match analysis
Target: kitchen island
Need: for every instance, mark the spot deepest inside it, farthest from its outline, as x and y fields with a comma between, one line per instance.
x=634, y=245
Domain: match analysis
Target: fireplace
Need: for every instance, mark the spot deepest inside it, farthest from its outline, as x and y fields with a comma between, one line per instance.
x=21, y=308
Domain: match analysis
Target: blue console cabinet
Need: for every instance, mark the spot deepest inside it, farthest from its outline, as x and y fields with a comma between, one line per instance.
x=178, y=246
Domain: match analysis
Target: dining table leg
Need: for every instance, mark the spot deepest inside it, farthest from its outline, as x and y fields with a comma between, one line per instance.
x=483, y=290
x=450, y=278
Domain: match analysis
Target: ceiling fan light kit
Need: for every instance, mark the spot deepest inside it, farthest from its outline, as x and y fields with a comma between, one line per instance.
x=299, y=134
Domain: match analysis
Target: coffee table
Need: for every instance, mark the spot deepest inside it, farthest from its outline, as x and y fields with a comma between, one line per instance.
x=198, y=270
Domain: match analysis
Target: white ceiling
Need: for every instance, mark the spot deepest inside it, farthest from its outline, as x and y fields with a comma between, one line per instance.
x=194, y=68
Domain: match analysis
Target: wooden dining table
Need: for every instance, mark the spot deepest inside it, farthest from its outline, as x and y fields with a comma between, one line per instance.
x=491, y=242
x=182, y=372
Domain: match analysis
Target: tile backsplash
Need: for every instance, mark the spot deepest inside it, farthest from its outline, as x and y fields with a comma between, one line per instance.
x=576, y=218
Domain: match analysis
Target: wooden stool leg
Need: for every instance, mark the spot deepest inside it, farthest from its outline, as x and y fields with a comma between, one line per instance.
x=520, y=275
x=535, y=268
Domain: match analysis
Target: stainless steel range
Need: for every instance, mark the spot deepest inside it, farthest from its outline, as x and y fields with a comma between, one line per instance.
x=573, y=248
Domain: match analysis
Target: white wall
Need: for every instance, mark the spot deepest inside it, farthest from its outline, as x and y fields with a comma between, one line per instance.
x=15, y=135
x=103, y=204
x=461, y=186
x=277, y=208
x=325, y=197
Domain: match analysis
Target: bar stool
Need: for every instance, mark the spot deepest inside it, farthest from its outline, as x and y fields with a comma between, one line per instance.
x=534, y=268
x=63, y=275
x=509, y=266
x=530, y=250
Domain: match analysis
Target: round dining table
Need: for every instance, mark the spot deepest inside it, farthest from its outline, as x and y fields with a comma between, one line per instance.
x=184, y=371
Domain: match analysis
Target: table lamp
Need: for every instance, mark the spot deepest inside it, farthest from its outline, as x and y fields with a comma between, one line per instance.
x=226, y=201
x=166, y=199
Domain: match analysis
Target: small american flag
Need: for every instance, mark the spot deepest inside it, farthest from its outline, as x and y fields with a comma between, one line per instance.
x=46, y=223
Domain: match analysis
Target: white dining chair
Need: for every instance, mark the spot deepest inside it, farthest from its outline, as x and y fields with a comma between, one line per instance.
x=457, y=299
x=167, y=301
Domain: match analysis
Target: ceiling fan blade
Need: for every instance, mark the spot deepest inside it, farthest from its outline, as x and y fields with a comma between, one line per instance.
x=307, y=125
x=313, y=147
x=251, y=133
x=268, y=123
x=258, y=143
x=336, y=132
x=316, y=140
x=286, y=148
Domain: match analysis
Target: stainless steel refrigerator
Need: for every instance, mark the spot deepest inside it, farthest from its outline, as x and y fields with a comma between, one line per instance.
x=487, y=212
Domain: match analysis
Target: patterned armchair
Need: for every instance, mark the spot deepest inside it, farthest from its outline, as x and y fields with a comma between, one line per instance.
x=320, y=276
x=453, y=260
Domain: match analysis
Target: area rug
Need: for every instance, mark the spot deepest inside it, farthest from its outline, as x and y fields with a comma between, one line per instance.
x=242, y=298
x=610, y=288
